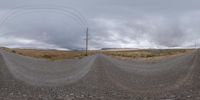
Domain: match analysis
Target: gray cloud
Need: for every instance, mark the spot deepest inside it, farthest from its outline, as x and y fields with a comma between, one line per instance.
x=128, y=24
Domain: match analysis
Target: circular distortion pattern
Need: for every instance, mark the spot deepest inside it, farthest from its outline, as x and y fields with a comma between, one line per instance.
x=41, y=72
x=44, y=28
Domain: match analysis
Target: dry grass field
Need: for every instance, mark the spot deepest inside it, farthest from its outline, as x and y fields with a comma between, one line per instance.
x=132, y=54
x=48, y=54
x=148, y=53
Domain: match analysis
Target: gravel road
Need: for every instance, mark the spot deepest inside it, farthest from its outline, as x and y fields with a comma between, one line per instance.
x=99, y=77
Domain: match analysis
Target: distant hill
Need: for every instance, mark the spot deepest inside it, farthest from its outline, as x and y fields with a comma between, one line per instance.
x=118, y=49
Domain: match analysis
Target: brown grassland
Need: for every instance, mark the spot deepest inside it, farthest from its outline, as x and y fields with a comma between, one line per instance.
x=132, y=54
x=148, y=54
x=47, y=54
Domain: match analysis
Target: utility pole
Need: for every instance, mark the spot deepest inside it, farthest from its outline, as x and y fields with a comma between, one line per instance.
x=195, y=44
x=87, y=30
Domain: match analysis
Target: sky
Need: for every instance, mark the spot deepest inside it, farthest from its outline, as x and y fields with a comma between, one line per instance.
x=61, y=24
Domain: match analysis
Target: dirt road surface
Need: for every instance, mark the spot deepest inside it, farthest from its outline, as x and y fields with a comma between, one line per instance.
x=99, y=77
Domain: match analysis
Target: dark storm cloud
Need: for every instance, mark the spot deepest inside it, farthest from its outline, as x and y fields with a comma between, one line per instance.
x=112, y=23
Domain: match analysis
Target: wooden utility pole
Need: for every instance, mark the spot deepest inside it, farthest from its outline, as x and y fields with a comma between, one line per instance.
x=195, y=44
x=86, y=42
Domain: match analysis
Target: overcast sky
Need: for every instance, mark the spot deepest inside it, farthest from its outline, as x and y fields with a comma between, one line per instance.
x=112, y=23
